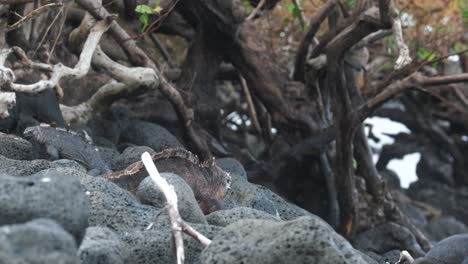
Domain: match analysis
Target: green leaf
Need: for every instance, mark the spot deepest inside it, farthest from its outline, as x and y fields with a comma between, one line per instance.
x=465, y=14
x=144, y=19
x=423, y=53
x=145, y=9
x=293, y=10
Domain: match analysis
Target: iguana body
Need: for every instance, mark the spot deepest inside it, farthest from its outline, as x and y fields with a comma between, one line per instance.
x=208, y=182
x=59, y=143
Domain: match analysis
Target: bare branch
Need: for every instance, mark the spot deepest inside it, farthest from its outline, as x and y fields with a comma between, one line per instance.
x=414, y=80
x=177, y=224
x=60, y=71
x=404, y=56
x=256, y=10
x=171, y=198
x=33, y=13
x=250, y=105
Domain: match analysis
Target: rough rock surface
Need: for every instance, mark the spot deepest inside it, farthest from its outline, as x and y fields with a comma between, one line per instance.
x=48, y=194
x=142, y=133
x=156, y=244
x=303, y=240
x=102, y=246
x=38, y=241
x=131, y=155
x=443, y=227
x=112, y=206
x=149, y=193
x=22, y=167
x=14, y=147
x=387, y=237
x=227, y=217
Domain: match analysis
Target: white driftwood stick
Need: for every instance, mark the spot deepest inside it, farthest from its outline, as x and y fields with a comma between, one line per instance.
x=60, y=71
x=404, y=58
x=171, y=197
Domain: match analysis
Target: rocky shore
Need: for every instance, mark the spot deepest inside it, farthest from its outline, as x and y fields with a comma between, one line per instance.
x=54, y=212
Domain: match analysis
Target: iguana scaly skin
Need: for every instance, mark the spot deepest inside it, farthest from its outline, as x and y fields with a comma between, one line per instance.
x=60, y=143
x=208, y=181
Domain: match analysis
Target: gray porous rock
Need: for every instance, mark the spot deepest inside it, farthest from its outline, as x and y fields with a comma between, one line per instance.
x=246, y=194
x=227, y=217
x=14, y=147
x=47, y=194
x=22, y=167
x=64, y=163
x=37, y=242
x=102, y=246
x=130, y=155
x=443, y=227
x=386, y=237
x=232, y=166
x=451, y=250
x=303, y=240
x=149, y=193
x=156, y=244
x=142, y=133
x=113, y=206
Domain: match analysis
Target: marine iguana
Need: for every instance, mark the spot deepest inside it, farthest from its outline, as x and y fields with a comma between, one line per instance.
x=60, y=143
x=451, y=250
x=208, y=181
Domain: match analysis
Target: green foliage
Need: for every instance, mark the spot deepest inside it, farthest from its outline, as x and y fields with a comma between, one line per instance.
x=293, y=10
x=459, y=47
x=350, y=4
x=463, y=6
x=145, y=12
x=425, y=55
x=247, y=6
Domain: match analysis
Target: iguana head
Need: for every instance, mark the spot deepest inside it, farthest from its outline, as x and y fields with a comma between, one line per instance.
x=33, y=132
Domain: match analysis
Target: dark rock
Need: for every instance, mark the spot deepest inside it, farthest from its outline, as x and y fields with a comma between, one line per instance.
x=227, y=217
x=416, y=214
x=245, y=194
x=156, y=244
x=102, y=246
x=387, y=237
x=110, y=124
x=142, y=133
x=112, y=206
x=14, y=147
x=391, y=179
x=303, y=240
x=104, y=142
x=443, y=227
x=64, y=163
x=131, y=155
x=38, y=241
x=432, y=167
x=22, y=167
x=149, y=193
x=47, y=194
x=452, y=250
x=449, y=200
x=232, y=166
